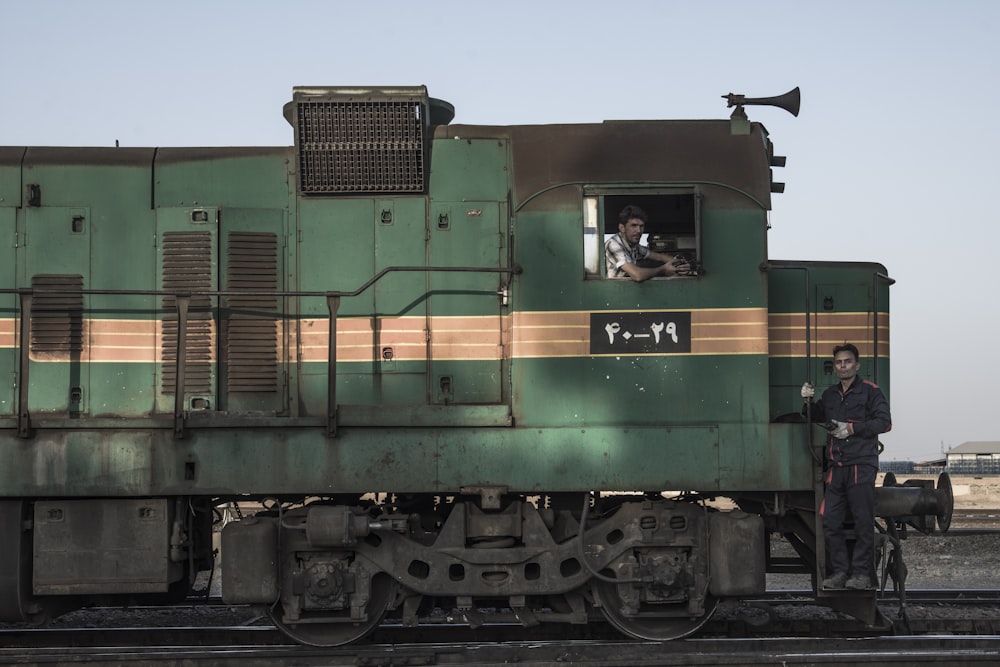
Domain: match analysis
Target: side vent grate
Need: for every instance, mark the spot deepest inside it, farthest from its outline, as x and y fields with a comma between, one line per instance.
x=251, y=343
x=363, y=144
x=187, y=267
x=56, y=315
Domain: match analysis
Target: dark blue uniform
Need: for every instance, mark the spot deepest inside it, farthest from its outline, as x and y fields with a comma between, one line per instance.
x=851, y=466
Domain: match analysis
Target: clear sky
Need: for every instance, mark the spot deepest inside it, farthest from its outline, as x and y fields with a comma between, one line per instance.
x=886, y=162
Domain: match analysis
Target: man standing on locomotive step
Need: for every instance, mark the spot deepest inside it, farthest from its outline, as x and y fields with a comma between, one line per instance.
x=857, y=412
x=623, y=251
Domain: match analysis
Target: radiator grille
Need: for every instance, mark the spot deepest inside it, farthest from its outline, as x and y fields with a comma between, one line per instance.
x=56, y=314
x=251, y=347
x=187, y=266
x=361, y=146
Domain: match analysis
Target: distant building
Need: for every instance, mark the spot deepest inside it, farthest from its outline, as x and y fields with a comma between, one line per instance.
x=896, y=467
x=931, y=467
x=974, y=458
x=934, y=467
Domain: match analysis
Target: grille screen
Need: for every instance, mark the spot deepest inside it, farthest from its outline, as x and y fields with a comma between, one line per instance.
x=251, y=350
x=361, y=146
x=57, y=314
x=187, y=266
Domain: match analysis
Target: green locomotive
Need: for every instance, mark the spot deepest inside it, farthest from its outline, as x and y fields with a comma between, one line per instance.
x=398, y=343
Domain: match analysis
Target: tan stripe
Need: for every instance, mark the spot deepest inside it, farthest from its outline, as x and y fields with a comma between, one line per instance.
x=550, y=334
x=123, y=327
x=356, y=339
x=522, y=335
x=124, y=341
x=8, y=331
x=823, y=348
x=475, y=338
x=845, y=315
x=723, y=315
x=788, y=333
x=536, y=349
x=735, y=331
x=713, y=331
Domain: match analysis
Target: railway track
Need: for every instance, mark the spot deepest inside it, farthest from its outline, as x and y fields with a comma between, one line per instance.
x=975, y=522
x=952, y=651
x=784, y=613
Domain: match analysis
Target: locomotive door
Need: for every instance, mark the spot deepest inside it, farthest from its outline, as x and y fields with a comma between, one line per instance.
x=342, y=243
x=55, y=261
x=252, y=329
x=465, y=311
x=187, y=261
x=238, y=348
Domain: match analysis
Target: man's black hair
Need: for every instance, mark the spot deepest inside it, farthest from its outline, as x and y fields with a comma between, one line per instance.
x=632, y=211
x=847, y=347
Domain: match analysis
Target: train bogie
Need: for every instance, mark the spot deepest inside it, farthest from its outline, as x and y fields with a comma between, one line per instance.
x=655, y=567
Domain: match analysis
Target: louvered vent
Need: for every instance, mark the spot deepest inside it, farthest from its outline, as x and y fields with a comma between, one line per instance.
x=370, y=144
x=187, y=266
x=251, y=347
x=56, y=314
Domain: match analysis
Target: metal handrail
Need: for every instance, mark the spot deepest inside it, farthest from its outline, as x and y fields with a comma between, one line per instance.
x=182, y=302
x=876, y=278
x=279, y=293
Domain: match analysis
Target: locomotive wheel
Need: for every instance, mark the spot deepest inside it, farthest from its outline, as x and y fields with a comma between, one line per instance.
x=654, y=622
x=313, y=631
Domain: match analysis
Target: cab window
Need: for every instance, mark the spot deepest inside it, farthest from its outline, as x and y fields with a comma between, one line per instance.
x=673, y=226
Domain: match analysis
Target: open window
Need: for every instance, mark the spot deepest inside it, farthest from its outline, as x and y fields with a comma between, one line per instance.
x=674, y=225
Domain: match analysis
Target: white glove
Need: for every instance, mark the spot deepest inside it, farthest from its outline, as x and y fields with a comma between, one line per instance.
x=841, y=432
x=808, y=391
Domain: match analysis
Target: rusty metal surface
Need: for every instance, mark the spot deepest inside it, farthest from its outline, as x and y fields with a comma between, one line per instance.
x=654, y=152
x=94, y=546
x=55, y=156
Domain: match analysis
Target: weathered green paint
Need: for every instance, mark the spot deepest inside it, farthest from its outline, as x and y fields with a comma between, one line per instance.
x=470, y=169
x=640, y=391
x=250, y=177
x=264, y=461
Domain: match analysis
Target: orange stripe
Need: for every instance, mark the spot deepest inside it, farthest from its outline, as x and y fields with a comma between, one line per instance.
x=533, y=334
x=550, y=334
x=567, y=334
x=734, y=331
x=787, y=332
x=450, y=338
x=8, y=332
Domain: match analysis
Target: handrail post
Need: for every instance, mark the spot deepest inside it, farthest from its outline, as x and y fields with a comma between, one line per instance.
x=333, y=305
x=183, y=301
x=876, y=278
x=23, y=380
